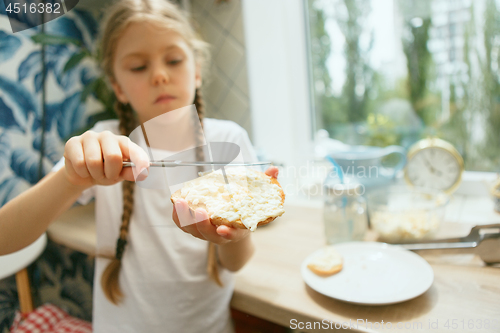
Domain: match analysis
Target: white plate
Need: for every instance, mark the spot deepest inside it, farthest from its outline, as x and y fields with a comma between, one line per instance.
x=373, y=274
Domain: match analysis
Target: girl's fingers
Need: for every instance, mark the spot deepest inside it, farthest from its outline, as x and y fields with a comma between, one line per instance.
x=136, y=155
x=93, y=155
x=176, y=213
x=207, y=229
x=231, y=233
x=112, y=155
x=199, y=226
x=175, y=217
x=99, y=157
x=209, y=232
x=272, y=171
x=75, y=158
x=183, y=213
x=189, y=228
x=72, y=174
x=223, y=231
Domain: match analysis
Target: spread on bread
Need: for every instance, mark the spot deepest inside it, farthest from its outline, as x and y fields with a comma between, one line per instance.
x=327, y=262
x=250, y=199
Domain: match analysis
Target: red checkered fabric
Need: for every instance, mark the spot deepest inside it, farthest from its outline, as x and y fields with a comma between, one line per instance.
x=49, y=318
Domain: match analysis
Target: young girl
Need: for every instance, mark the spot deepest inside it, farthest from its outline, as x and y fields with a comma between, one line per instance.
x=151, y=274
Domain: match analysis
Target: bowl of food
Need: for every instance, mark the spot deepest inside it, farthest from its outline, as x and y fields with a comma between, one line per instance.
x=402, y=214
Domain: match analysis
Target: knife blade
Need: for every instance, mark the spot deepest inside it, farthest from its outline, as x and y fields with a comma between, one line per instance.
x=171, y=164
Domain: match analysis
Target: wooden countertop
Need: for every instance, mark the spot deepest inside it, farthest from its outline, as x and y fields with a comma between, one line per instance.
x=465, y=291
x=271, y=286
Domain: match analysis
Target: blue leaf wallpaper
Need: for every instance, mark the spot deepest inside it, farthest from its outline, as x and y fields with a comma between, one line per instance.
x=31, y=64
x=7, y=120
x=21, y=101
x=8, y=45
x=60, y=276
x=25, y=164
x=4, y=150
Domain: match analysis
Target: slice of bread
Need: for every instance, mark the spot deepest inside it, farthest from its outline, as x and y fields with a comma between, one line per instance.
x=327, y=262
x=251, y=198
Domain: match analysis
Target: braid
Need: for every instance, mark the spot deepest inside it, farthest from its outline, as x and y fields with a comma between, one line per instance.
x=200, y=108
x=127, y=118
x=200, y=156
x=109, y=280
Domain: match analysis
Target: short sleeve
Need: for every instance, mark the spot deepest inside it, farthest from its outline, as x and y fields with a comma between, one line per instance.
x=219, y=130
x=247, y=150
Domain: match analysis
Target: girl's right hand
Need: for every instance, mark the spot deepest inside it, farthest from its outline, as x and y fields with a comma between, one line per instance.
x=96, y=159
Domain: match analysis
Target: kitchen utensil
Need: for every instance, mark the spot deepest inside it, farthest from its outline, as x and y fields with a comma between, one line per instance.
x=172, y=163
x=483, y=240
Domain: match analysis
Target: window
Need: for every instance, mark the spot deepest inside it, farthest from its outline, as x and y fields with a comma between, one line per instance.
x=395, y=71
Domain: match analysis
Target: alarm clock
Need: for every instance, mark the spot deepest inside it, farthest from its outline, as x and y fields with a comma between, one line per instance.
x=434, y=163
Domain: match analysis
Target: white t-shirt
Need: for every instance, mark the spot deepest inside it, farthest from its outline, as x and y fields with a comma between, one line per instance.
x=163, y=275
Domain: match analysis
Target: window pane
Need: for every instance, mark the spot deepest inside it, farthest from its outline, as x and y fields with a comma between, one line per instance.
x=395, y=71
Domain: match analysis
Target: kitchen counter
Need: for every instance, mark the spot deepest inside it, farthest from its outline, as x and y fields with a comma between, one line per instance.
x=464, y=292
x=271, y=286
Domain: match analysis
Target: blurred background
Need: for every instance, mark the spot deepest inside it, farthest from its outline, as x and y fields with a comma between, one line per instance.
x=390, y=72
x=368, y=72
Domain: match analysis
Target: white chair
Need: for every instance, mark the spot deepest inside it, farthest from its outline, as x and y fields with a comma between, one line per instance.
x=16, y=263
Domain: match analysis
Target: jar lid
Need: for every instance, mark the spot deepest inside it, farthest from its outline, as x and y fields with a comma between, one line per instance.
x=349, y=189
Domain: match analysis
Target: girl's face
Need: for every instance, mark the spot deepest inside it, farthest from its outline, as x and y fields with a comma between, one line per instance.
x=155, y=70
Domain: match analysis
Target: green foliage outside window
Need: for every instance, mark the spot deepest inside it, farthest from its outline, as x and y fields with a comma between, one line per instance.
x=461, y=106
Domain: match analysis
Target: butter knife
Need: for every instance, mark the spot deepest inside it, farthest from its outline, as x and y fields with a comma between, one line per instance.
x=171, y=164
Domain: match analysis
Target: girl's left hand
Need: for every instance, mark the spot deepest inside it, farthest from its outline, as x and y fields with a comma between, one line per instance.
x=204, y=229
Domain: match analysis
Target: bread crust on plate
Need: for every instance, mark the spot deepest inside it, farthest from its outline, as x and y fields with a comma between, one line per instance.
x=327, y=263
x=222, y=221
x=318, y=270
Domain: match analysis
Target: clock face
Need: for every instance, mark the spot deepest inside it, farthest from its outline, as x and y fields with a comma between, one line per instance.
x=434, y=167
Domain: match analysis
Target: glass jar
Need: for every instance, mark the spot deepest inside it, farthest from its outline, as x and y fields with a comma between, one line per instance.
x=344, y=213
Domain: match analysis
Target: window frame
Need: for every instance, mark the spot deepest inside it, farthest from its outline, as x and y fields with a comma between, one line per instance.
x=279, y=83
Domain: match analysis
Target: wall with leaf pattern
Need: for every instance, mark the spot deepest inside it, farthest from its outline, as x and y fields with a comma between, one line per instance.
x=21, y=163
x=60, y=276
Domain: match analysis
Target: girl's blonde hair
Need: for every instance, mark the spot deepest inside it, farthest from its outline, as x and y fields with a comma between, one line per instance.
x=166, y=15
x=160, y=12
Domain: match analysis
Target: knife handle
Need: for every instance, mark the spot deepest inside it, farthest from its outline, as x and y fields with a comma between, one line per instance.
x=442, y=248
